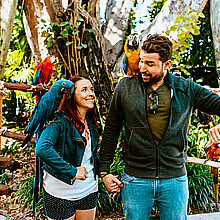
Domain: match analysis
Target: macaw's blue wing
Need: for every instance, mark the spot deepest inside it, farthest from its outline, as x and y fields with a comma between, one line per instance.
x=42, y=111
x=124, y=63
x=36, y=76
x=46, y=106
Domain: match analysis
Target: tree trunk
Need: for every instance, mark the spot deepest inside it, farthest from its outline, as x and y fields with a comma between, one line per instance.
x=94, y=63
x=117, y=16
x=85, y=54
x=7, y=15
x=165, y=19
x=34, y=11
x=215, y=24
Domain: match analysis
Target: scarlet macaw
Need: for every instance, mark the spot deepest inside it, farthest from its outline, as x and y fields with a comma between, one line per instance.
x=213, y=153
x=43, y=72
x=130, y=60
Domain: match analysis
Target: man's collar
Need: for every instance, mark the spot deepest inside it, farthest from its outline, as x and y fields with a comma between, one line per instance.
x=169, y=79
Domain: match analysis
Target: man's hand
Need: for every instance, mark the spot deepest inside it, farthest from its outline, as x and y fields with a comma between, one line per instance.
x=112, y=184
x=82, y=173
x=214, y=134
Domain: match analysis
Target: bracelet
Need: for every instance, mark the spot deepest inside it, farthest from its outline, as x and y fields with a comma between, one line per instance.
x=103, y=175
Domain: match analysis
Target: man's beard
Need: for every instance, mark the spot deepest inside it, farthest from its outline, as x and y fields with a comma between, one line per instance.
x=154, y=79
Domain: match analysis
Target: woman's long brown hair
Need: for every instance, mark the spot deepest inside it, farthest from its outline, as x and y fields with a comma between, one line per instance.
x=68, y=106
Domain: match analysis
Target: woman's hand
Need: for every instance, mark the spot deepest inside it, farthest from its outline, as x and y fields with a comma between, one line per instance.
x=82, y=173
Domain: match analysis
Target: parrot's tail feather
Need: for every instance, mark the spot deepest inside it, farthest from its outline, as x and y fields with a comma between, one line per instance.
x=26, y=142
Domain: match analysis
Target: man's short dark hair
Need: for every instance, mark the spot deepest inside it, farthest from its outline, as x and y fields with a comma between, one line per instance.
x=158, y=44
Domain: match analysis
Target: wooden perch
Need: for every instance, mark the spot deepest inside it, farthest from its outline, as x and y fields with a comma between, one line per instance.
x=4, y=161
x=209, y=163
x=17, y=136
x=24, y=87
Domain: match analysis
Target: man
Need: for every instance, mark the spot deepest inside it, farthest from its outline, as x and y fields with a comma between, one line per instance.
x=155, y=108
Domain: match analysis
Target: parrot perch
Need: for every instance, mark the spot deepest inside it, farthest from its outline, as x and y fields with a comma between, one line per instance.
x=213, y=153
x=130, y=60
x=43, y=72
x=46, y=106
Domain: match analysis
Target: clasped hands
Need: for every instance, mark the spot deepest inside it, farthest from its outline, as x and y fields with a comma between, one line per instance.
x=112, y=184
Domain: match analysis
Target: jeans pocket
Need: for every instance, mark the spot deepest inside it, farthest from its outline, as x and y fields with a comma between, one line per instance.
x=127, y=178
x=182, y=178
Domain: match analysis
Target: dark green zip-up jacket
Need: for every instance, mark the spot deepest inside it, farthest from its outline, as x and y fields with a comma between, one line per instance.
x=61, y=148
x=142, y=157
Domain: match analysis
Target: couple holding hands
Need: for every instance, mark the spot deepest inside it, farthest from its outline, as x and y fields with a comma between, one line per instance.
x=155, y=109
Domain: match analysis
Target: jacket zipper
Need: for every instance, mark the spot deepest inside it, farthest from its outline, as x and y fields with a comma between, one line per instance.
x=157, y=147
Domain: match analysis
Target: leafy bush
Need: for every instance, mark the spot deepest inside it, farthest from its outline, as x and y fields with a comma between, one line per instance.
x=107, y=204
x=201, y=196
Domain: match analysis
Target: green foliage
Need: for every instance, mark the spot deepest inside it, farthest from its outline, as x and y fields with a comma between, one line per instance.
x=24, y=192
x=107, y=204
x=24, y=197
x=19, y=66
x=18, y=71
x=196, y=50
x=186, y=25
x=11, y=147
x=18, y=38
x=65, y=31
x=201, y=194
x=154, y=8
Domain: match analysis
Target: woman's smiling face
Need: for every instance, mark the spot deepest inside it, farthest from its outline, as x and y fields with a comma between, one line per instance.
x=84, y=95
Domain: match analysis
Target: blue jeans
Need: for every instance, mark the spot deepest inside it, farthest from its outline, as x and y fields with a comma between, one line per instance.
x=139, y=195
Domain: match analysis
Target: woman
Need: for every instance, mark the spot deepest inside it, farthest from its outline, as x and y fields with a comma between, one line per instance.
x=68, y=148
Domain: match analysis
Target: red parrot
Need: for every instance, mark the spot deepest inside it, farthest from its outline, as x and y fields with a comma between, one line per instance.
x=130, y=60
x=213, y=153
x=43, y=72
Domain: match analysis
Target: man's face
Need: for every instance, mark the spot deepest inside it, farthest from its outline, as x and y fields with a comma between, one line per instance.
x=151, y=67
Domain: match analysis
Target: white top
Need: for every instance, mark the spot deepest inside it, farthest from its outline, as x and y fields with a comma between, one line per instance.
x=80, y=188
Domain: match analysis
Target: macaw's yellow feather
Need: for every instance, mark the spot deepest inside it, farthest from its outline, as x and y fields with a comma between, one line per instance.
x=133, y=61
x=132, y=56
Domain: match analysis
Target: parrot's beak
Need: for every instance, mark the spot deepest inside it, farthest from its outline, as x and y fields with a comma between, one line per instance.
x=69, y=92
x=54, y=60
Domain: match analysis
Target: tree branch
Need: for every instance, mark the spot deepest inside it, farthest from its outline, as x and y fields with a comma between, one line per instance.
x=201, y=161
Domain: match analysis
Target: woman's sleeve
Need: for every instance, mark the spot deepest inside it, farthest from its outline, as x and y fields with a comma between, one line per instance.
x=45, y=150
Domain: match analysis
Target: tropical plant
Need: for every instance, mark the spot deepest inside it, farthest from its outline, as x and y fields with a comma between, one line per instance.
x=107, y=204
x=201, y=194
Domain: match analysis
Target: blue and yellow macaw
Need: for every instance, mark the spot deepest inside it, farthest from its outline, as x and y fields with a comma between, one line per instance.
x=43, y=72
x=130, y=60
x=44, y=109
x=46, y=106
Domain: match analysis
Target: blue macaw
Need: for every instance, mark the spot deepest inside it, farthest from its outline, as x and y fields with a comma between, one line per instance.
x=130, y=59
x=44, y=109
x=46, y=106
